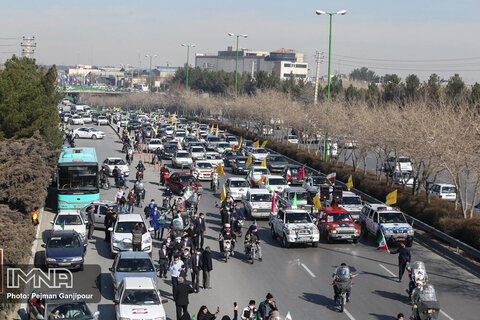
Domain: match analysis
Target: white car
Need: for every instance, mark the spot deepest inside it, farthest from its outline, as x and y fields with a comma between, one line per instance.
x=121, y=234
x=256, y=174
x=76, y=119
x=221, y=147
x=182, y=159
x=87, y=118
x=197, y=152
x=137, y=298
x=110, y=163
x=259, y=154
x=444, y=191
x=292, y=139
x=238, y=187
x=404, y=164
x=203, y=170
x=232, y=140
x=214, y=158
x=66, y=116
x=257, y=203
x=89, y=133
x=277, y=183
x=403, y=178
x=313, y=183
x=70, y=221
x=153, y=144
x=101, y=121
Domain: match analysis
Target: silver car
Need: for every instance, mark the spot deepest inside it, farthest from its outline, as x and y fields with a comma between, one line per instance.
x=132, y=264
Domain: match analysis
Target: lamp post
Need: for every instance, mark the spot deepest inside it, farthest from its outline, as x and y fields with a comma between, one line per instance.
x=236, y=71
x=149, y=56
x=331, y=14
x=188, y=57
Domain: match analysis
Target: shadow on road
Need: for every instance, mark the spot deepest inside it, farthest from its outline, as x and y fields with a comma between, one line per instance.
x=320, y=300
x=105, y=285
x=382, y=316
x=107, y=311
x=391, y=295
x=379, y=275
x=102, y=247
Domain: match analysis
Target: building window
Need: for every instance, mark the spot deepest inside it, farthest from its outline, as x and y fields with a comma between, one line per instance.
x=301, y=65
x=287, y=75
x=287, y=65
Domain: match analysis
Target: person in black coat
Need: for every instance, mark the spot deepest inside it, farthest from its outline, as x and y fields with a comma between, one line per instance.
x=163, y=260
x=204, y=314
x=196, y=263
x=404, y=258
x=206, y=266
x=201, y=228
x=180, y=296
x=110, y=219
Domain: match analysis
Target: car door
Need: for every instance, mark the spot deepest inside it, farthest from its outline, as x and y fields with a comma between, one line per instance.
x=101, y=214
x=279, y=220
x=114, y=267
x=374, y=223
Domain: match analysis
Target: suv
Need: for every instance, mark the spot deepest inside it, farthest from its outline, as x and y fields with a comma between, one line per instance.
x=239, y=165
x=70, y=221
x=403, y=164
x=444, y=191
x=237, y=187
x=350, y=202
x=257, y=203
x=336, y=223
x=100, y=209
x=376, y=218
x=122, y=234
x=294, y=226
x=286, y=197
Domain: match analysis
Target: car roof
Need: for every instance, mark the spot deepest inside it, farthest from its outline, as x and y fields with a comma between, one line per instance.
x=138, y=283
x=382, y=207
x=274, y=176
x=68, y=213
x=444, y=185
x=349, y=194
x=258, y=191
x=259, y=167
x=113, y=158
x=236, y=179
x=133, y=255
x=334, y=210
x=290, y=210
x=294, y=189
x=130, y=217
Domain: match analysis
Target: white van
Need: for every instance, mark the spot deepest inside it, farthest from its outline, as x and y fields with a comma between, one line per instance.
x=444, y=191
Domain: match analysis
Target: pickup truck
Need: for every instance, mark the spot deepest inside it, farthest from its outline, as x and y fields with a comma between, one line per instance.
x=293, y=226
x=286, y=197
x=377, y=218
x=336, y=223
x=257, y=203
x=350, y=202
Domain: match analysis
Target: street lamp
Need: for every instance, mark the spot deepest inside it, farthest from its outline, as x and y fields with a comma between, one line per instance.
x=188, y=57
x=148, y=56
x=331, y=14
x=236, y=69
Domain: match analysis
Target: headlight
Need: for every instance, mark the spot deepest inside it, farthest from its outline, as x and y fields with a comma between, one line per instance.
x=50, y=259
x=77, y=259
x=315, y=230
x=146, y=248
x=357, y=231
x=147, y=240
x=410, y=231
x=333, y=231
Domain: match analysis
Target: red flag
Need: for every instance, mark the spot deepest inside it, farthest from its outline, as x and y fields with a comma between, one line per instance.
x=233, y=147
x=301, y=173
x=274, y=203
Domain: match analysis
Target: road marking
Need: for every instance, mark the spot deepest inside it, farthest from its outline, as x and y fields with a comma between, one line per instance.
x=308, y=270
x=349, y=314
x=446, y=315
x=390, y=272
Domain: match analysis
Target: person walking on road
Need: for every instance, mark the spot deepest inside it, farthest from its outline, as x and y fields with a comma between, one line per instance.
x=91, y=221
x=249, y=311
x=195, y=264
x=163, y=261
x=131, y=200
x=119, y=196
x=206, y=267
x=110, y=219
x=180, y=296
x=137, y=235
x=176, y=268
x=154, y=215
x=266, y=307
x=162, y=221
x=404, y=258
x=201, y=228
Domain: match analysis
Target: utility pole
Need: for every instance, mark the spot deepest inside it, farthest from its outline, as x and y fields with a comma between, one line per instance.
x=253, y=69
x=318, y=59
x=28, y=46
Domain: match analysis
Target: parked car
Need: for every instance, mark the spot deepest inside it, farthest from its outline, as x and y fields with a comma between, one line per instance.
x=132, y=264
x=336, y=223
x=293, y=226
x=51, y=306
x=444, y=191
x=403, y=178
x=292, y=139
x=276, y=162
x=257, y=203
x=111, y=162
x=65, y=249
x=121, y=234
x=178, y=181
x=137, y=298
x=238, y=187
x=403, y=164
x=89, y=133
x=100, y=209
x=70, y=221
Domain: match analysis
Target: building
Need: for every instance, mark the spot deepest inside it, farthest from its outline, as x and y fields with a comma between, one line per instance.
x=83, y=70
x=283, y=62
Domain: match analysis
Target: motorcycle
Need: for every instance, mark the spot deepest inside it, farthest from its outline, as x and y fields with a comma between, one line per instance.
x=130, y=156
x=227, y=249
x=252, y=251
x=417, y=273
x=163, y=177
x=237, y=227
x=121, y=181
x=425, y=305
x=139, y=175
x=214, y=184
x=140, y=197
x=342, y=288
x=177, y=228
x=104, y=183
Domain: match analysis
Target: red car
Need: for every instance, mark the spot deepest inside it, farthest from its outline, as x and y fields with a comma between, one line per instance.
x=178, y=181
x=336, y=223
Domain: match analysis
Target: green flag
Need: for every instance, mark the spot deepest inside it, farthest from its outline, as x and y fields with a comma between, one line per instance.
x=62, y=225
x=294, y=201
x=268, y=184
x=139, y=110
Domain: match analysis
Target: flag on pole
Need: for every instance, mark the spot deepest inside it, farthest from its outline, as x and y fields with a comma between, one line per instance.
x=332, y=176
x=264, y=163
x=248, y=177
x=349, y=183
x=186, y=131
x=249, y=161
x=382, y=243
x=274, y=203
x=240, y=143
x=139, y=110
x=171, y=119
x=223, y=195
x=289, y=175
x=62, y=225
x=391, y=198
x=261, y=180
x=268, y=184
x=316, y=202
x=232, y=147
x=212, y=128
x=301, y=173
x=289, y=316
x=294, y=201
x=154, y=130
x=198, y=133
x=256, y=144
x=264, y=143
x=219, y=170
x=216, y=133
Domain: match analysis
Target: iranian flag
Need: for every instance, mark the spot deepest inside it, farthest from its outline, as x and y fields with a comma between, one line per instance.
x=288, y=317
x=289, y=175
x=331, y=177
x=382, y=243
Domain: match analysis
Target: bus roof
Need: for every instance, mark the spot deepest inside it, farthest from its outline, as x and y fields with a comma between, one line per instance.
x=70, y=155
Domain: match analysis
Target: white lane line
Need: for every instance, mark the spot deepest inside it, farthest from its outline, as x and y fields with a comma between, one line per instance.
x=390, y=272
x=446, y=315
x=308, y=270
x=349, y=314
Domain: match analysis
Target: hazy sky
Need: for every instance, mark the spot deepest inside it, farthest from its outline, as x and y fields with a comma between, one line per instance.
x=374, y=33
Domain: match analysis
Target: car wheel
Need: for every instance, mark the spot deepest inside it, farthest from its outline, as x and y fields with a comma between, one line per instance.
x=81, y=268
x=77, y=136
x=274, y=236
x=286, y=244
x=355, y=240
x=329, y=239
x=315, y=244
x=364, y=231
x=94, y=137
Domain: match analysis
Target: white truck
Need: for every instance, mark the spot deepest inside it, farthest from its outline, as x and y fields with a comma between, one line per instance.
x=293, y=226
x=257, y=203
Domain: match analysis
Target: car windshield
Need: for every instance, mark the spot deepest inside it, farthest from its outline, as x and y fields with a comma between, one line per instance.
x=127, y=226
x=277, y=159
x=71, y=310
x=204, y=165
x=318, y=181
x=352, y=200
x=170, y=149
x=339, y=217
x=292, y=137
x=241, y=161
x=297, y=217
x=238, y=184
x=213, y=139
x=75, y=178
x=116, y=162
x=197, y=149
x=118, y=209
x=140, y=297
x=68, y=220
x=94, y=129
x=301, y=196
x=63, y=242
x=135, y=265
x=449, y=190
x=155, y=141
x=267, y=197
x=260, y=150
x=223, y=145
x=392, y=217
x=182, y=155
x=263, y=171
x=404, y=160
x=276, y=181
x=231, y=139
x=187, y=179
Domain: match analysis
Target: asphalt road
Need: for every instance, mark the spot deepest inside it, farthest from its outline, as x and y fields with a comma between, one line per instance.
x=299, y=278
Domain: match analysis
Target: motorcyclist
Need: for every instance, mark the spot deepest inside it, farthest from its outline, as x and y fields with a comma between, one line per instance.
x=227, y=234
x=116, y=174
x=129, y=155
x=228, y=202
x=163, y=172
x=140, y=166
x=157, y=156
x=342, y=274
x=139, y=189
x=167, y=195
x=251, y=238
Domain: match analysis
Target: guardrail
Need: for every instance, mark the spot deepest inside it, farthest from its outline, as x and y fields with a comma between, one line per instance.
x=417, y=223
